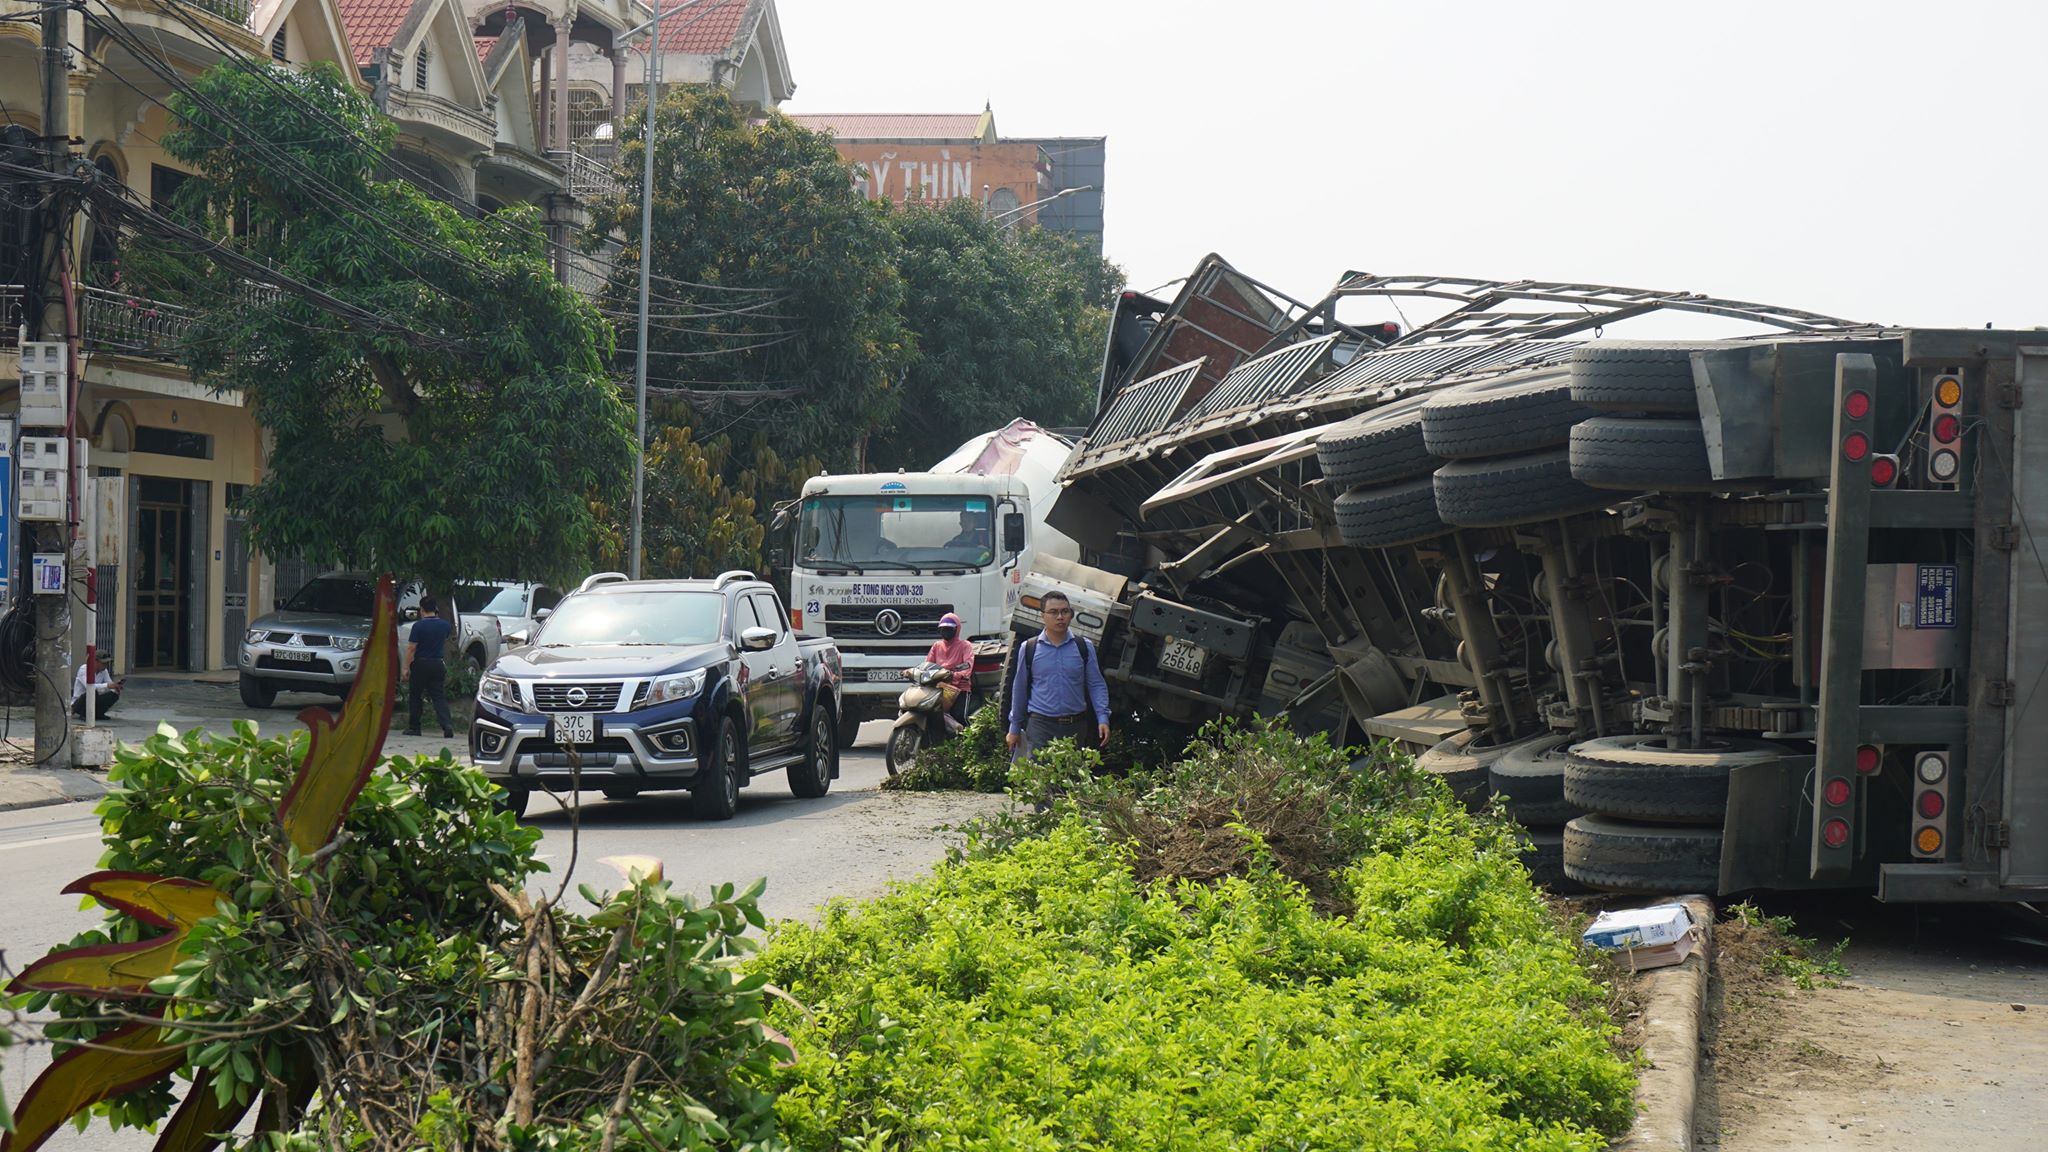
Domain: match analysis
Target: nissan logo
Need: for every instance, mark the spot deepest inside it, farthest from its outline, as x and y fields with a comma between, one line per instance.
x=576, y=697
x=888, y=622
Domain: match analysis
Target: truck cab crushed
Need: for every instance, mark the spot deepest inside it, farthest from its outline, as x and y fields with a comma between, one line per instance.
x=1718, y=614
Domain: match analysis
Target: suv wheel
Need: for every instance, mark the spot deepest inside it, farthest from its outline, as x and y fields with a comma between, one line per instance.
x=717, y=795
x=512, y=798
x=257, y=692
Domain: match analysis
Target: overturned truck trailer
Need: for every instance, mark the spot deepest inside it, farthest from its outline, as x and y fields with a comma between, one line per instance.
x=1767, y=612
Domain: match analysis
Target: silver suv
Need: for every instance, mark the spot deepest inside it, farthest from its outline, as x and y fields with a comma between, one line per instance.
x=312, y=643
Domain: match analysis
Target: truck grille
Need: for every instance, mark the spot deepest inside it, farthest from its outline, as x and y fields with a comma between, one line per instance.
x=308, y=639
x=857, y=621
x=593, y=697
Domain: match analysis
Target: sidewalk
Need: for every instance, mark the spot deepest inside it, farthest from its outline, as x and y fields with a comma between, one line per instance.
x=184, y=703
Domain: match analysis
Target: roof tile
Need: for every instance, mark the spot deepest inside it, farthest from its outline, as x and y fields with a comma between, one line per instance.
x=707, y=29
x=372, y=25
x=893, y=125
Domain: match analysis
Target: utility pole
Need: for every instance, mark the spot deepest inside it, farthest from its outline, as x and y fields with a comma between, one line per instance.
x=53, y=612
x=646, y=268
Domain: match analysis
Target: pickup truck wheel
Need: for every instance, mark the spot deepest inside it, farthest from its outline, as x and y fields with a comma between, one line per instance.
x=1617, y=856
x=717, y=795
x=1519, y=490
x=1529, y=778
x=476, y=663
x=811, y=777
x=512, y=798
x=903, y=746
x=1385, y=517
x=1637, y=778
x=257, y=692
x=621, y=792
x=1505, y=418
x=1375, y=447
x=1641, y=455
x=1621, y=378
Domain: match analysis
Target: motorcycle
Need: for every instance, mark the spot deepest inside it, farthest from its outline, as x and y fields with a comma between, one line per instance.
x=923, y=714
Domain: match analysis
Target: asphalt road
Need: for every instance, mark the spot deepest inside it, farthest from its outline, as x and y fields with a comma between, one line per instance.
x=851, y=843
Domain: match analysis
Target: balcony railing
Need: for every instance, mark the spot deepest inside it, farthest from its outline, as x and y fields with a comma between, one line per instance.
x=589, y=177
x=109, y=322
x=233, y=11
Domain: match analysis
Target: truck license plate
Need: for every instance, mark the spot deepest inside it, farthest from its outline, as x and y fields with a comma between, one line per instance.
x=299, y=656
x=890, y=674
x=575, y=728
x=1183, y=657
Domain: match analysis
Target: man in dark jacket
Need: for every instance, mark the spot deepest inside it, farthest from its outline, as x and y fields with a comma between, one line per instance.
x=426, y=666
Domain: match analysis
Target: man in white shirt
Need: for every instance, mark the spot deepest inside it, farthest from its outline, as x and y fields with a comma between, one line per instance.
x=106, y=693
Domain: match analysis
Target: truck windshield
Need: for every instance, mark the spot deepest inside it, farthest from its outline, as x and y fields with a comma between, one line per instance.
x=636, y=618
x=911, y=531
x=335, y=596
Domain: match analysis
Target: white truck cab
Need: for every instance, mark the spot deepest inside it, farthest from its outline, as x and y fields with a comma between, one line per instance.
x=878, y=557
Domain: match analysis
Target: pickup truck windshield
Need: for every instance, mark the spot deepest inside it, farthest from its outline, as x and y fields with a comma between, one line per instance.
x=334, y=596
x=893, y=530
x=651, y=617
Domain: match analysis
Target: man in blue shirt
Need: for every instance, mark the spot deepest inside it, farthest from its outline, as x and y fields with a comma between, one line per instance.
x=426, y=666
x=1058, y=686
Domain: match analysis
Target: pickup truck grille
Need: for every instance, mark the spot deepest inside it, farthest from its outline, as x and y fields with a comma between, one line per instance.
x=309, y=639
x=592, y=697
x=857, y=621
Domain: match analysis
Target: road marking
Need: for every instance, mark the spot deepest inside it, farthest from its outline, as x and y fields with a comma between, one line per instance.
x=49, y=840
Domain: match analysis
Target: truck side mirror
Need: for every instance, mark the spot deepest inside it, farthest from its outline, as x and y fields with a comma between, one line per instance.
x=1013, y=531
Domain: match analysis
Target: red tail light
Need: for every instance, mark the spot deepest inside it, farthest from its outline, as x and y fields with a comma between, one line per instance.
x=1835, y=833
x=1837, y=791
x=1857, y=405
x=1869, y=757
x=1855, y=446
x=1931, y=805
x=1947, y=427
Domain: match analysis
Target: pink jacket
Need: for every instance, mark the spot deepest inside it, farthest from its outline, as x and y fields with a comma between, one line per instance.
x=951, y=653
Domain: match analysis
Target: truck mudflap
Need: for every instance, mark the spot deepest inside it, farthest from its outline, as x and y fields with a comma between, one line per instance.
x=1767, y=838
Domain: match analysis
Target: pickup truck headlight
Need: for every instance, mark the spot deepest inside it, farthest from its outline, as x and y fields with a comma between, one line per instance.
x=499, y=690
x=256, y=636
x=348, y=643
x=679, y=687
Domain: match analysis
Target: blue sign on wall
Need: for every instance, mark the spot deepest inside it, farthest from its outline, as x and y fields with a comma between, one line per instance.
x=1935, y=602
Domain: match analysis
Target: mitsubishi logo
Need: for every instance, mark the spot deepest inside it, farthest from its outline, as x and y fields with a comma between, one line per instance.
x=576, y=697
x=888, y=622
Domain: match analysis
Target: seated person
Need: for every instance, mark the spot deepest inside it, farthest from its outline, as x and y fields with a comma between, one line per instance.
x=106, y=693
x=954, y=652
x=971, y=538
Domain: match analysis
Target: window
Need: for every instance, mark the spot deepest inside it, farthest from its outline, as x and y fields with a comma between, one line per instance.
x=163, y=186
x=764, y=607
x=637, y=619
x=172, y=442
x=105, y=251
x=277, y=46
x=419, y=70
x=902, y=532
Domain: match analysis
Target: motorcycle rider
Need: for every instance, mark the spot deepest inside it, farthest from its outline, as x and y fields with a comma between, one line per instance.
x=952, y=651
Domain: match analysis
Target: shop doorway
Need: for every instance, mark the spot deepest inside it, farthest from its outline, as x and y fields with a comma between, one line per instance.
x=162, y=568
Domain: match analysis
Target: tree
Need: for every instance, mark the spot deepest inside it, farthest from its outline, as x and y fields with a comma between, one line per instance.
x=439, y=404
x=695, y=523
x=1008, y=322
x=775, y=292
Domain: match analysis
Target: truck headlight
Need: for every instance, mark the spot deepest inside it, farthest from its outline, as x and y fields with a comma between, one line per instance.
x=256, y=636
x=498, y=690
x=349, y=643
x=679, y=687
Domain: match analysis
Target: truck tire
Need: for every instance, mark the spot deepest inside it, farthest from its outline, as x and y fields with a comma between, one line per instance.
x=1641, y=455
x=811, y=777
x=1616, y=856
x=848, y=729
x=1545, y=861
x=1636, y=778
x=1374, y=448
x=1530, y=780
x=1520, y=490
x=1634, y=378
x=716, y=795
x=1385, y=517
x=1501, y=419
x=1462, y=766
x=257, y=692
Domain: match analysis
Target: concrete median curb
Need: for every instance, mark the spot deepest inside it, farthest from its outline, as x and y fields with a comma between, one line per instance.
x=40, y=787
x=1674, y=1010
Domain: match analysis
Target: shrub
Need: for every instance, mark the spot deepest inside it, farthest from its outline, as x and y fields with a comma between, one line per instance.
x=1046, y=998
x=976, y=759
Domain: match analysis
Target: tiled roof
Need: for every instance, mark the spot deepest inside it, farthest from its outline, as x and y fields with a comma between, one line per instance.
x=372, y=25
x=707, y=29
x=484, y=44
x=893, y=125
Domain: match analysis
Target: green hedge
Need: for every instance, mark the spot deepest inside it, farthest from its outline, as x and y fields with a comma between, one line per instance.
x=1042, y=997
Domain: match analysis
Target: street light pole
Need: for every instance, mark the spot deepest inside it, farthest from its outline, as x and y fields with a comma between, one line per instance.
x=1035, y=203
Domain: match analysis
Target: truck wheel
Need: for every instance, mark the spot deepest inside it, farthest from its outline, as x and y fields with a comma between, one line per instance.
x=1506, y=418
x=1520, y=490
x=717, y=796
x=903, y=747
x=512, y=798
x=1462, y=766
x=1385, y=517
x=1530, y=779
x=1545, y=861
x=1622, y=378
x=257, y=692
x=476, y=663
x=848, y=729
x=811, y=777
x=1617, y=856
x=1374, y=447
x=1641, y=455
x=1637, y=778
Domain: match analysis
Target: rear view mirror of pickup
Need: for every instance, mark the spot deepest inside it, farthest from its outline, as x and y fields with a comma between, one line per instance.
x=757, y=639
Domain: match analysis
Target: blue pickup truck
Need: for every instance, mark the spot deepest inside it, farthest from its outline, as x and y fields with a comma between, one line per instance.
x=633, y=686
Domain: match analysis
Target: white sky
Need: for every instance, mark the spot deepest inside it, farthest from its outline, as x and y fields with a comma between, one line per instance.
x=1880, y=161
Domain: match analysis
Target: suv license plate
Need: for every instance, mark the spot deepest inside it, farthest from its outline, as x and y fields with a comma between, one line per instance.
x=1183, y=657
x=292, y=655
x=575, y=728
